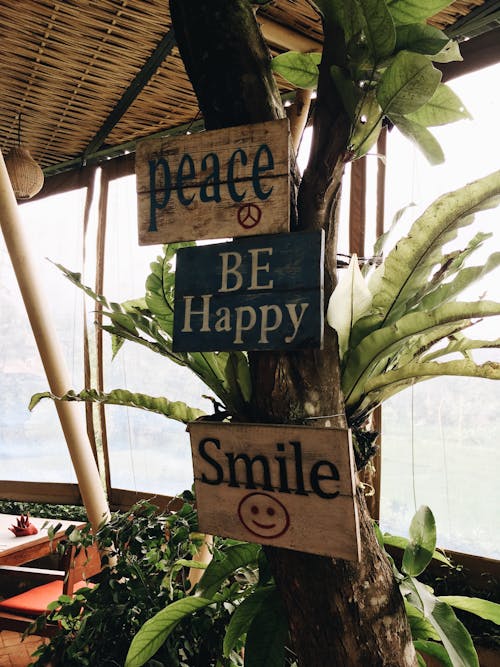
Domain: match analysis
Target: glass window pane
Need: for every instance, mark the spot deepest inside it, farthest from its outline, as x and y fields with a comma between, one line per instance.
x=32, y=446
x=440, y=438
x=147, y=451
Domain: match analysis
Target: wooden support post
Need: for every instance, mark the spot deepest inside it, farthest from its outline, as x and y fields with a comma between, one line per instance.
x=46, y=339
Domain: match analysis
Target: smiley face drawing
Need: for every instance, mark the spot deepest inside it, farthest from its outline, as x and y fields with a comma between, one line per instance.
x=263, y=515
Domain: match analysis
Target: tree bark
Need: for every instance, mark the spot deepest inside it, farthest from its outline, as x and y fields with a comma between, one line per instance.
x=340, y=613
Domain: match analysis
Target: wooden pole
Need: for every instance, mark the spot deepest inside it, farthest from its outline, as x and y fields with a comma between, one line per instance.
x=46, y=339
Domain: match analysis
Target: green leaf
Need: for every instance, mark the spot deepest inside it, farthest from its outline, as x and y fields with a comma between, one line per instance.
x=381, y=387
x=367, y=126
x=299, y=69
x=486, y=609
x=155, y=631
x=420, y=38
x=421, y=137
x=420, y=661
x=235, y=556
x=368, y=361
x=243, y=616
x=267, y=635
x=379, y=28
x=420, y=626
x=409, y=264
x=349, y=93
x=434, y=650
x=414, y=11
x=172, y=409
x=456, y=640
x=443, y=107
x=450, y=53
x=349, y=301
x=463, y=279
x=402, y=542
x=418, y=552
x=407, y=84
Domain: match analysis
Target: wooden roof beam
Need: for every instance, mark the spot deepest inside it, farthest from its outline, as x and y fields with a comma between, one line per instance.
x=162, y=51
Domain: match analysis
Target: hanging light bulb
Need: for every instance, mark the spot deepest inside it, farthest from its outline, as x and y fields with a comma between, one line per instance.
x=25, y=174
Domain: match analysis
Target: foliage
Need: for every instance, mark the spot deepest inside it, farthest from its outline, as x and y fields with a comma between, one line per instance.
x=382, y=69
x=44, y=510
x=149, y=322
x=260, y=623
x=400, y=325
x=436, y=630
x=153, y=552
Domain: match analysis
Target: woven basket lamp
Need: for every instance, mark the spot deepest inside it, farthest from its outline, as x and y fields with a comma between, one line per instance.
x=24, y=173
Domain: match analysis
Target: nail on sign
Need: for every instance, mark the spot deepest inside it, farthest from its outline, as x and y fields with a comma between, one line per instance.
x=286, y=486
x=223, y=183
x=259, y=293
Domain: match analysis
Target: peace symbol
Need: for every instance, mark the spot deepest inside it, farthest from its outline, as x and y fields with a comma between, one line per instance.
x=249, y=215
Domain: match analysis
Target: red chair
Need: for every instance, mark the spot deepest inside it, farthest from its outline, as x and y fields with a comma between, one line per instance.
x=19, y=611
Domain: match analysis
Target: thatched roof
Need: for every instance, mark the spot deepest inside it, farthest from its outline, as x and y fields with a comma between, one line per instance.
x=87, y=75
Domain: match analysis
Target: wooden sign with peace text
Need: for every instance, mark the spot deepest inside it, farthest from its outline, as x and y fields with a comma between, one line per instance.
x=259, y=293
x=285, y=486
x=222, y=183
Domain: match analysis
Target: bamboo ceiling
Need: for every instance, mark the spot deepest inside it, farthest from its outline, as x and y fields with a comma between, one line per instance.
x=86, y=75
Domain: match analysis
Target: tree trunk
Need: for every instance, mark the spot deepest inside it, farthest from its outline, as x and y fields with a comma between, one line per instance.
x=340, y=613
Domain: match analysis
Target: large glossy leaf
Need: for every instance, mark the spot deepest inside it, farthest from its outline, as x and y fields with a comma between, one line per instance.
x=368, y=123
x=418, y=552
x=383, y=386
x=460, y=345
x=369, y=359
x=156, y=630
x=444, y=107
x=420, y=38
x=235, y=557
x=408, y=265
x=451, y=631
x=449, y=279
x=420, y=626
x=486, y=609
x=348, y=91
x=299, y=69
x=434, y=650
x=243, y=616
x=379, y=28
x=450, y=53
x=177, y=410
x=349, y=301
x=407, y=84
x=402, y=542
x=420, y=135
x=413, y=11
x=267, y=635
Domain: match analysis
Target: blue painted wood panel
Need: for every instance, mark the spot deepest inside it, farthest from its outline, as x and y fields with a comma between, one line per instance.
x=257, y=293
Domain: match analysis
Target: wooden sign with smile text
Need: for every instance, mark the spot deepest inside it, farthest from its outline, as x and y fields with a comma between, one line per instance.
x=285, y=486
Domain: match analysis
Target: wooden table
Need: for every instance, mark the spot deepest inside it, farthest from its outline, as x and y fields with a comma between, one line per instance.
x=17, y=550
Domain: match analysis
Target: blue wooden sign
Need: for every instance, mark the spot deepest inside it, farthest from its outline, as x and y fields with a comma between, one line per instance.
x=258, y=293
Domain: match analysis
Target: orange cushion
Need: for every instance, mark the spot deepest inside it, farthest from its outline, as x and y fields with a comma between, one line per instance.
x=35, y=601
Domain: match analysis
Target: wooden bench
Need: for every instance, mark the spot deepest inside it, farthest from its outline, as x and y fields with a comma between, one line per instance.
x=19, y=611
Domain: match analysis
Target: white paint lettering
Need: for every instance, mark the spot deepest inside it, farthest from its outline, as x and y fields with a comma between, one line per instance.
x=256, y=267
x=188, y=312
x=240, y=324
x=233, y=270
x=296, y=320
x=224, y=321
x=265, y=325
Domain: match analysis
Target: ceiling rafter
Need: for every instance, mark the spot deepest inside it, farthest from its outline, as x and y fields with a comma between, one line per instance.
x=162, y=51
